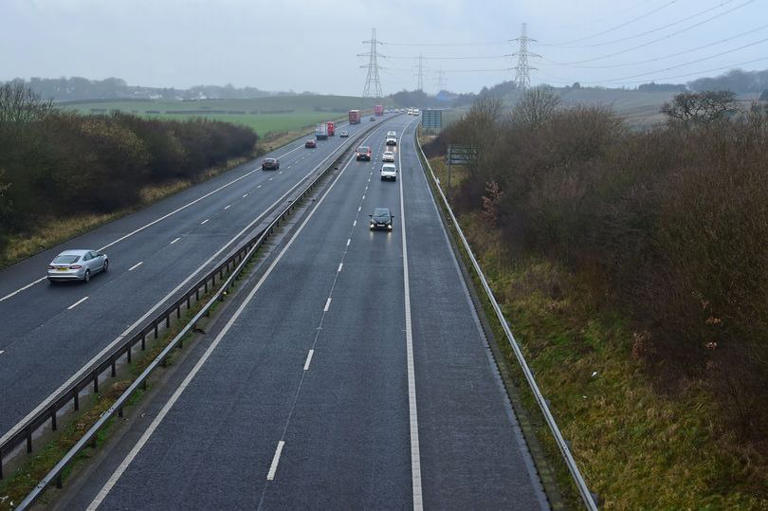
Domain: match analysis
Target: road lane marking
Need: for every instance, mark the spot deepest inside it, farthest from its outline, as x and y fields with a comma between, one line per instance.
x=1, y=352
x=359, y=208
x=275, y=460
x=270, y=179
x=354, y=223
x=349, y=240
x=150, y=224
x=135, y=266
x=227, y=207
x=363, y=199
x=258, y=186
x=341, y=265
x=81, y=300
x=174, y=241
x=306, y=364
x=418, y=503
x=327, y=304
x=245, y=195
x=204, y=221
x=188, y=379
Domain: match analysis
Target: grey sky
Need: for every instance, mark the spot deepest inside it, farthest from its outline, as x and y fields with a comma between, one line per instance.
x=313, y=45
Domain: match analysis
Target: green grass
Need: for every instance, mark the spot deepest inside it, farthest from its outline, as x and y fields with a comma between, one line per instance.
x=263, y=115
x=638, y=447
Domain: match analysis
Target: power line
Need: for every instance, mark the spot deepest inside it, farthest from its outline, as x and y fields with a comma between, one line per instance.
x=652, y=31
x=485, y=57
x=712, y=70
x=671, y=55
x=654, y=41
x=755, y=43
x=622, y=25
x=486, y=43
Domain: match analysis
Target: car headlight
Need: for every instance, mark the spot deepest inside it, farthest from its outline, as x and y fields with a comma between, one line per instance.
x=389, y=227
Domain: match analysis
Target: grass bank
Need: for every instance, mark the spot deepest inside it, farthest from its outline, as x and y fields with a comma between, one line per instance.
x=638, y=447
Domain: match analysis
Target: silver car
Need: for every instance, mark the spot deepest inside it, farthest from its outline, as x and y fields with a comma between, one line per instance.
x=77, y=265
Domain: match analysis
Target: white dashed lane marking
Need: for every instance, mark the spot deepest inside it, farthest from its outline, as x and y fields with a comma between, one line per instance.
x=275, y=460
x=306, y=364
x=135, y=266
x=174, y=241
x=204, y=221
x=227, y=207
x=327, y=304
x=81, y=300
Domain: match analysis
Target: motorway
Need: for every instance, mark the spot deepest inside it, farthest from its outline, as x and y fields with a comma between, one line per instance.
x=50, y=333
x=354, y=374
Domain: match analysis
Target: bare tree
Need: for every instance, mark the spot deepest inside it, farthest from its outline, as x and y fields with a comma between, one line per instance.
x=700, y=107
x=535, y=107
x=20, y=105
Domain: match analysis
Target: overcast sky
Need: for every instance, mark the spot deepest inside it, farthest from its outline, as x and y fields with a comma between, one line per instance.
x=313, y=45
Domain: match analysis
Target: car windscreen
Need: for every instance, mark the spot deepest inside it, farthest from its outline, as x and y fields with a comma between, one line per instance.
x=363, y=149
x=66, y=259
x=380, y=214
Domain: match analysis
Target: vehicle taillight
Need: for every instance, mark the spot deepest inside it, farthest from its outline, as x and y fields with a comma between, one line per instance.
x=75, y=267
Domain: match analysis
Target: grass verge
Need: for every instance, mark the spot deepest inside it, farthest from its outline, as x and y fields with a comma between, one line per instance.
x=637, y=448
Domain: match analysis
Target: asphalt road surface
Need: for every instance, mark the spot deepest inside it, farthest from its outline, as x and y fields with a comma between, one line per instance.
x=49, y=333
x=354, y=375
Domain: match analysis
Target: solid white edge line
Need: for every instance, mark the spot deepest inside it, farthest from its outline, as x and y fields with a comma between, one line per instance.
x=327, y=304
x=174, y=241
x=185, y=383
x=125, y=332
x=135, y=266
x=418, y=503
x=275, y=460
x=306, y=364
x=81, y=300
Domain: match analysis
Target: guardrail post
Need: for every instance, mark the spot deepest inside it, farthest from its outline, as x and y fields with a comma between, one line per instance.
x=77, y=399
x=178, y=312
x=143, y=341
x=53, y=420
x=167, y=321
x=155, y=326
x=130, y=349
x=59, y=484
x=1, y=467
x=114, y=369
x=188, y=304
x=120, y=412
x=29, y=441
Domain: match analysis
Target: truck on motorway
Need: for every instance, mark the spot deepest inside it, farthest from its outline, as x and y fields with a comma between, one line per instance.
x=321, y=131
x=331, y=127
x=378, y=110
x=354, y=117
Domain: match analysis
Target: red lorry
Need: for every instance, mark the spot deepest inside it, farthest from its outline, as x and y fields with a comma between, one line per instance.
x=331, y=128
x=354, y=117
x=378, y=110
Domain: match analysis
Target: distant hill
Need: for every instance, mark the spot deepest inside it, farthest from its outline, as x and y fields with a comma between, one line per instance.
x=82, y=89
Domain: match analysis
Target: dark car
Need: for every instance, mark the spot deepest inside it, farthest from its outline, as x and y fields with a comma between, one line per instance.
x=310, y=144
x=371, y=118
x=363, y=153
x=381, y=219
x=270, y=164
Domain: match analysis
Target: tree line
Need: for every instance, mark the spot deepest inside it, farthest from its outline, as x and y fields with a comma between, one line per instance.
x=669, y=225
x=55, y=163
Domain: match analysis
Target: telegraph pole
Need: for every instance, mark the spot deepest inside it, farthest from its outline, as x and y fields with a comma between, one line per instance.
x=522, y=70
x=372, y=86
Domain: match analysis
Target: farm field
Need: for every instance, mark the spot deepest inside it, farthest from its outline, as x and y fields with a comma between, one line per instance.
x=272, y=114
